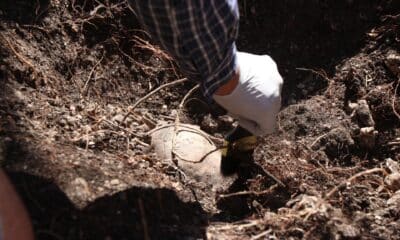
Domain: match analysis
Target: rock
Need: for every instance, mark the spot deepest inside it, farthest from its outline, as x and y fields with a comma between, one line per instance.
x=72, y=108
x=114, y=182
x=78, y=189
x=393, y=181
x=353, y=106
x=367, y=138
x=392, y=165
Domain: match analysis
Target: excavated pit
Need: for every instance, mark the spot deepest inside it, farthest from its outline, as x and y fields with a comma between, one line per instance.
x=72, y=70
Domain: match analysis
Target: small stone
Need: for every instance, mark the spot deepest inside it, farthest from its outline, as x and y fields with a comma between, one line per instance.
x=72, y=108
x=353, y=106
x=392, y=165
x=78, y=188
x=115, y=182
x=393, y=181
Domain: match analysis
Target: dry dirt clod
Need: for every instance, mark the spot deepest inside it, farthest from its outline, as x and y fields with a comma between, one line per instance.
x=368, y=137
x=362, y=114
x=344, y=231
x=338, y=138
x=392, y=62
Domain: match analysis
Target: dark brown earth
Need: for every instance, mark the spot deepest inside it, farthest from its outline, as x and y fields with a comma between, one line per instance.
x=72, y=70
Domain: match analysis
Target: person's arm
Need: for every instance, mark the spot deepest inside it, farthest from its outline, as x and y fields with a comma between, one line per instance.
x=14, y=220
x=200, y=36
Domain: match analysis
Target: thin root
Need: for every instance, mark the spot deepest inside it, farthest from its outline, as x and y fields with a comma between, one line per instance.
x=151, y=93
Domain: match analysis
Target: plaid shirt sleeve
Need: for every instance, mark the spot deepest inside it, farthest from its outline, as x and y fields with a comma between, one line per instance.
x=199, y=35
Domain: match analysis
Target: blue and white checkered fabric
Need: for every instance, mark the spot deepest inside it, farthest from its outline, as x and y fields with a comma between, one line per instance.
x=199, y=35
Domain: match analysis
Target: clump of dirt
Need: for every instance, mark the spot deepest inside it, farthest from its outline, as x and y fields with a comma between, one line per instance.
x=71, y=72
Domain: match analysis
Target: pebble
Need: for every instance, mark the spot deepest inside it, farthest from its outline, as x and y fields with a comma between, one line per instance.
x=79, y=188
x=115, y=182
x=72, y=108
x=393, y=166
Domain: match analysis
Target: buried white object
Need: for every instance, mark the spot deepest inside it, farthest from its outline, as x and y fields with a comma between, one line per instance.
x=190, y=149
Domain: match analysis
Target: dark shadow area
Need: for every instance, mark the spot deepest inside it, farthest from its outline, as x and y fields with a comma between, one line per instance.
x=308, y=34
x=24, y=11
x=130, y=214
x=238, y=207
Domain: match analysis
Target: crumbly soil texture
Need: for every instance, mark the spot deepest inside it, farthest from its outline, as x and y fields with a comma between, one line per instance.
x=71, y=71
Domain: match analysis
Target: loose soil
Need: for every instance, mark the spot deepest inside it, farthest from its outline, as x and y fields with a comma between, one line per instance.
x=71, y=71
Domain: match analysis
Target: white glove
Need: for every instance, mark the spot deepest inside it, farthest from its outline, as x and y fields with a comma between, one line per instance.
x=256, y=100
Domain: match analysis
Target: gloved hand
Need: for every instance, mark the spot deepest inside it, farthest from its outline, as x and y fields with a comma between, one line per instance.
x=256, y=99
x=238, y=148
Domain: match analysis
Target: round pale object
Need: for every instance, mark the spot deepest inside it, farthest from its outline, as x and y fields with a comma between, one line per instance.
x=193, y=153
